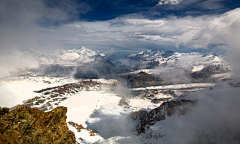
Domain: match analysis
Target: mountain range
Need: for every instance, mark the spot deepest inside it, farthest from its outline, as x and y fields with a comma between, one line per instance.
x=172, y=58
x=156, y=64
x=69, y=57
x=155, y=57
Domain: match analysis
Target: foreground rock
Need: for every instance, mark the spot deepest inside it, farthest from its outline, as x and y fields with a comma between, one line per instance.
x=27, y=125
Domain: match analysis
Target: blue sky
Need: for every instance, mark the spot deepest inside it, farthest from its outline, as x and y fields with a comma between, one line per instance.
x=119, y=25
x=155, y=9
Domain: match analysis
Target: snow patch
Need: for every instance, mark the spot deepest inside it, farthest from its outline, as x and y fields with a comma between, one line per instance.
x=197, y=68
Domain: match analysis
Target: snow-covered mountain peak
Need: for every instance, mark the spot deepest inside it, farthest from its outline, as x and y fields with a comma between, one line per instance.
x=70, y=57
x=84, y=50
x=172, y=58
x=151, y=52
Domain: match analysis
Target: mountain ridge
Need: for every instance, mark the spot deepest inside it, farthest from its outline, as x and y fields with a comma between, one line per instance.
x=69, y=57
x=172, y=58
x=85, y=63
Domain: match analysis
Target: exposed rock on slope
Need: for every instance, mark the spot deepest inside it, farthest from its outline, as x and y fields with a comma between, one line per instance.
x=141, y=79
x=100, y=67
x=151, y=77
x=51, y=97
x=3, y=111
x=169, y=108
x=26, y=125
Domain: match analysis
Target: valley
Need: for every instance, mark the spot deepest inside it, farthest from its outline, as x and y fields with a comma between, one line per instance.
x=107, y=103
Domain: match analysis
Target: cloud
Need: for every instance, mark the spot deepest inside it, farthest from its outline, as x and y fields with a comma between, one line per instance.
x=22, y=24
x=146, y=23
x=139, y=33
x=170, y=2
x=13, y=60
x=192, y=4
x=226, y=29
x=212, y=120
x=211, y=4
x=133, y=32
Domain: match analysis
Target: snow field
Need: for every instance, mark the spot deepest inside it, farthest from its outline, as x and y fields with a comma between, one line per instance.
x=99, y=111
x=15, y=91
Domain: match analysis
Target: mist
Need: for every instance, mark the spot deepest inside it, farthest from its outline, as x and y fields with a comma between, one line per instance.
x=22, y=25
x=226, y=28
x=214, y=119
x=174, y=75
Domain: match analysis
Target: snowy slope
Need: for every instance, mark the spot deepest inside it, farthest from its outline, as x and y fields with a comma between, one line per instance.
x=14, y=90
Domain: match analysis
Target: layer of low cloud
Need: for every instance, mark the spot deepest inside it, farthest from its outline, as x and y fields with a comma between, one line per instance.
x=212, y=120
x=21, y=24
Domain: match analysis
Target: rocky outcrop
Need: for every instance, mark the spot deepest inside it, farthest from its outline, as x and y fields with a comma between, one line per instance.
x=166, y=109
x=139, y=114
x=234, y=84
x=123, y=102
x=51, y=97
x=79, y=127
x=25, y=125
x=3, y=111
x=68, y=88
x=156, y=101
x=140, y=79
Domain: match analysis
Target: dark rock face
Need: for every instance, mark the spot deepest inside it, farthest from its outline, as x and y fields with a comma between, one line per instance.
x=27, y=125
x=236, y=84
x=167, y=109
x=141, y=79
x=207, y=71
x=159, y=100
x=102, y=66
x=139, y=114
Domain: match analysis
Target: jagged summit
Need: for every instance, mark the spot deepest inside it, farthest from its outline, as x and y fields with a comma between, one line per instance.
x=153, y=51
x=210, y=54
x=83, y=48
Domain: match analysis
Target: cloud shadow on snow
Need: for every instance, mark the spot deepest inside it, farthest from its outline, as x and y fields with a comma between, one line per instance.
x=111, y=125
